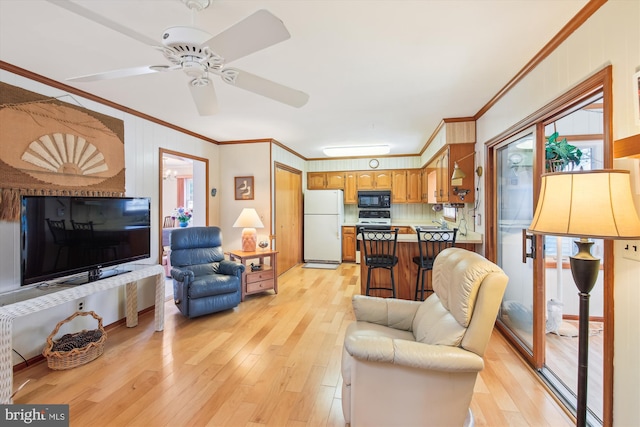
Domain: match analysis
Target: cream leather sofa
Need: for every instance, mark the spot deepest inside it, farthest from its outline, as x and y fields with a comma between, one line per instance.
x=411, y=363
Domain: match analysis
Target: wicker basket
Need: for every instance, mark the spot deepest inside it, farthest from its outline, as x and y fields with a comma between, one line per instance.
x=59, y=360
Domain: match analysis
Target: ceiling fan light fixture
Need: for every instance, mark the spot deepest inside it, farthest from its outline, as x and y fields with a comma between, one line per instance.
x=358, y=150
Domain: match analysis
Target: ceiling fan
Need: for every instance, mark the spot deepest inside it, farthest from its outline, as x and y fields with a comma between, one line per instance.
x=201, y=55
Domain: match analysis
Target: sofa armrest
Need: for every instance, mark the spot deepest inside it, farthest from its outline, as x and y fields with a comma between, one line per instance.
x=391, y=312
x=182, y=275
x=413, y=354
x=231, y=268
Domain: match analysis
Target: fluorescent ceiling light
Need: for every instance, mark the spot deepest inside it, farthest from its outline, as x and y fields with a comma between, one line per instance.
x=361, y=150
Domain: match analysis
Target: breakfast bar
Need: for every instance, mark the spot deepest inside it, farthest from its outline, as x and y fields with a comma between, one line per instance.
x=406, y=271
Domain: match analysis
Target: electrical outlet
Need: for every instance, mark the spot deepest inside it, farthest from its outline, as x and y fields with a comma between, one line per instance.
x=631, y=250
x=81, y=305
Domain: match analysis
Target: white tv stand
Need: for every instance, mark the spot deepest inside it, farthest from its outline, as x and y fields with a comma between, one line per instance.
x=61, y=295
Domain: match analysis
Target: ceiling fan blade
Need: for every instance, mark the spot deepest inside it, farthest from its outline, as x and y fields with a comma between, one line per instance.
x=124, y=72
x=92, y=16
x=264, y=87
x=254, y=33
x=204, y=97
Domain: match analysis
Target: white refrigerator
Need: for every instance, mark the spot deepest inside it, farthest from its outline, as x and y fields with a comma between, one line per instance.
x=323, y=217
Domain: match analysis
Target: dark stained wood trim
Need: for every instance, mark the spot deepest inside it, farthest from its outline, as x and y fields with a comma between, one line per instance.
x=581, y=90
x=627, y=147
x=601, y=80
x=56, y=84
x=575, y=23
x=285, y=148
x=432, y=137
x=287, y=168
x=589, y=137
x=245, y=141
x=205, y=160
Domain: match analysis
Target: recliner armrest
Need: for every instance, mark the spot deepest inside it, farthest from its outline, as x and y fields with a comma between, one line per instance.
x=182, y=275
x=413, y=354
x=231, y=268
x=391, y=312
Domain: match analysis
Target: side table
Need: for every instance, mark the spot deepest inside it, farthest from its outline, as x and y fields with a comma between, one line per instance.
x=260, y=280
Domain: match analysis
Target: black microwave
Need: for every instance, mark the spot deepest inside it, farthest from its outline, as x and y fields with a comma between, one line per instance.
x=374, y=199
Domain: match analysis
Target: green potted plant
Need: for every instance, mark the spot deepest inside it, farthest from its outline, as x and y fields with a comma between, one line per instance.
x=560, y=154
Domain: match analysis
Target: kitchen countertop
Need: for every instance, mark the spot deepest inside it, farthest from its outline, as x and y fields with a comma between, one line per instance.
x=471, y=236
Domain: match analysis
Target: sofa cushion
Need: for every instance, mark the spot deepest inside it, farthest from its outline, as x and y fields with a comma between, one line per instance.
x=214, y=284
x=442, y=318
x=434, y=324
x=366, y=329
x=457, y=278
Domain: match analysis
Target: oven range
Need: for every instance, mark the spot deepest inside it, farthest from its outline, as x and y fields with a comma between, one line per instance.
x=379, y=219
x=372, y=219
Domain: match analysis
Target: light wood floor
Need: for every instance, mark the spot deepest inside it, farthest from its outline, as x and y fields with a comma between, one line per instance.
x=273, y=361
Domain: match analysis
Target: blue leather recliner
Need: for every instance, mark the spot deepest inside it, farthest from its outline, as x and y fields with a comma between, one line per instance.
x=203, y=281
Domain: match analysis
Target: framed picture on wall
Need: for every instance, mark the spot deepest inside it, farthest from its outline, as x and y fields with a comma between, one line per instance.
x=636, y=97
x=244, y=187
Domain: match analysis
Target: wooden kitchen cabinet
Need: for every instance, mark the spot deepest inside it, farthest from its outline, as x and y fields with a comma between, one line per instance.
x=463, y=154
x=325, y=180
x=350, y=189
x=424, y=174
x=335, y=181
x=405, y=230
x=414, y=186
x=316, y=180
x=399, y=186
x=349, y=244
x=373, y=180
x=406, y=186
x=432, y=186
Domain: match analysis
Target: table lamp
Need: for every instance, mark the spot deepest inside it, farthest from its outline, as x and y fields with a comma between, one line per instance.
x=586, y=204
x=250, y=220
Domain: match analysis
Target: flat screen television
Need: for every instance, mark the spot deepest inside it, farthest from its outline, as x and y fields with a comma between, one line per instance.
x=67, y=235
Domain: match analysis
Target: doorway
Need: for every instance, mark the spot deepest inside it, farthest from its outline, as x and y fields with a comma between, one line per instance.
x=183, y=182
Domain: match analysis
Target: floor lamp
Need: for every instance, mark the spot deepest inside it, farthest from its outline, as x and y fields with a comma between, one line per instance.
x=586, y=204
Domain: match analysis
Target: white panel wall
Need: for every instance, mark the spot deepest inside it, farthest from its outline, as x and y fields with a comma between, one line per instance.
x=142, y=142
x=280, y=155
x=611, y=36
x=250, y=159
x=409, y=162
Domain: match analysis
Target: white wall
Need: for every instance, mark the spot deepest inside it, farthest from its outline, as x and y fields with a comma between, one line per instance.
x=610, y=36
x=142, y=142
x=250, y=159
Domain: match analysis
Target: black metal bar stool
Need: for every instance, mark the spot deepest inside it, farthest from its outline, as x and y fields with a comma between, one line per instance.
x=379, y=247
x=430, y=244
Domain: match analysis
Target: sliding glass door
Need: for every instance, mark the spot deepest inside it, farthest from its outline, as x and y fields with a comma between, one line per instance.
x=514, y=208
x=539, y=312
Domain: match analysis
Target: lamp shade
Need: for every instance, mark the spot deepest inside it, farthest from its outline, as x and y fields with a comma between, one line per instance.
x=596, y=204
x=248, y=219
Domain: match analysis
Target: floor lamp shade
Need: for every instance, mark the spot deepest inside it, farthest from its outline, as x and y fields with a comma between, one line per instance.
x=249, y=220
x=597, y=204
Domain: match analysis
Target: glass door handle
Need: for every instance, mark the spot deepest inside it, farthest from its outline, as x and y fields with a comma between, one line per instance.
x=532, y=238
